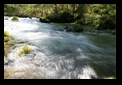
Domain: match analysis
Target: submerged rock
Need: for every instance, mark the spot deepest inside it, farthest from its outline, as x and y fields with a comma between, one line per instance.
x=44, y=20
x=74, y=28
x=5, y=18
x=15, y=18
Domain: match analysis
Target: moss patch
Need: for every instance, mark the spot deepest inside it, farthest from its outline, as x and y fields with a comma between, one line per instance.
x=6, y=34
x=6, y=39
x=44, y=20
x=15, y=18
x=25, y=50
x=6, y=49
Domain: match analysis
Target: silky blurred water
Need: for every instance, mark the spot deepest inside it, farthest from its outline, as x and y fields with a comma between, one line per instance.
x=58, y=54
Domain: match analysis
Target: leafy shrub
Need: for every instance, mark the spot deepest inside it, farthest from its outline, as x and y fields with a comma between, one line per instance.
x=78, y=28
x=15, y=18
x=107, y=23
x=61, y=17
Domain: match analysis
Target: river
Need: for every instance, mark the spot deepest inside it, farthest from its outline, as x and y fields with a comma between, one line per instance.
x=58, y=54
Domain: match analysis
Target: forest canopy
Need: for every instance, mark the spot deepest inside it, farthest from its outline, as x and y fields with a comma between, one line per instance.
x=98, y=16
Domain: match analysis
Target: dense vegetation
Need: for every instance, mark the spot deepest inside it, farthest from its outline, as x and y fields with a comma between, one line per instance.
x=96, y=16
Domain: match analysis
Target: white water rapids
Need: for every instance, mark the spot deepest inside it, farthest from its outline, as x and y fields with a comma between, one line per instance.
x=58, y=54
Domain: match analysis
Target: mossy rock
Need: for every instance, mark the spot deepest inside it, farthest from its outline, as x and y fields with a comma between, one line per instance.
x=78, y=28
x=44, y=20
x=114, y=32
x=20, y=53
x=74, y=28
x=25, y=50
x=6, y=39
x=5, y=18
x=6, y=49
x=69, y=28
x=15, y=18
x=6, y=34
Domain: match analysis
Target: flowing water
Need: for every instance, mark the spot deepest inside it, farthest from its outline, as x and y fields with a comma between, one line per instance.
x=58, y=54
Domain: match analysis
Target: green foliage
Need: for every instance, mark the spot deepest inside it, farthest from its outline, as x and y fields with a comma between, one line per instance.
x=78, y=28
x=15, y=18
x=96, y=16
x=61, y=17
x=25, y=50
x=106, y=24
x=100, y=16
